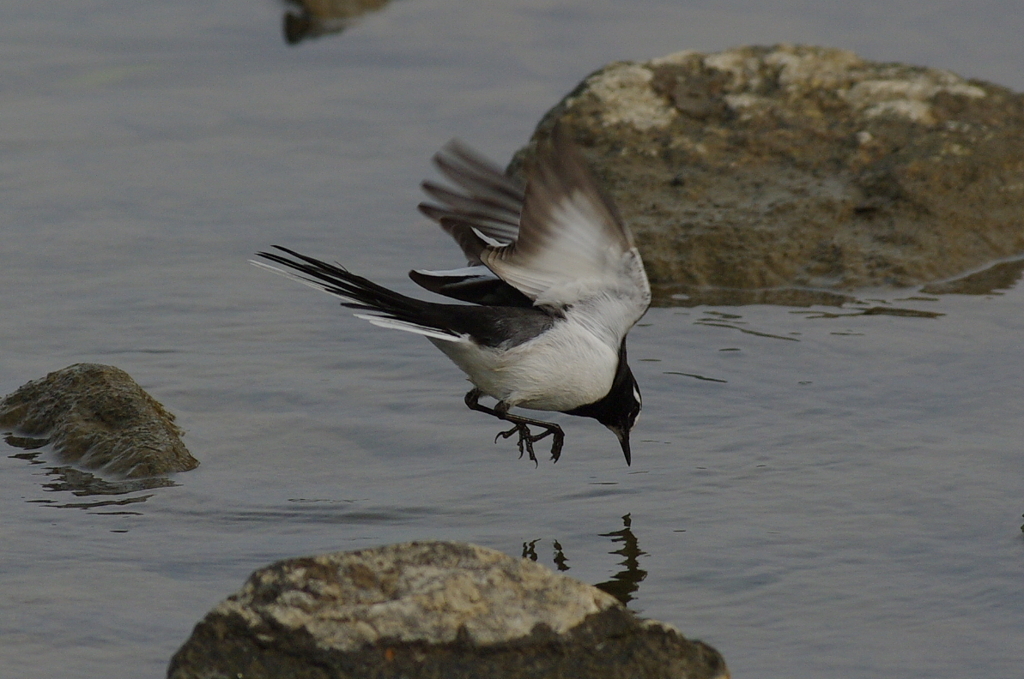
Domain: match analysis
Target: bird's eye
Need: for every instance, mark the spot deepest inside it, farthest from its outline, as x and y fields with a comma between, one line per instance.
x=634, y=415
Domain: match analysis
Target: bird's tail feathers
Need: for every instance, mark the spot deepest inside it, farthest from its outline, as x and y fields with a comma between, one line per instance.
x=382, y=307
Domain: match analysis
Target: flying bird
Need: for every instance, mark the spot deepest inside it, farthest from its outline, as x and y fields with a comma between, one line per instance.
x=553, y=283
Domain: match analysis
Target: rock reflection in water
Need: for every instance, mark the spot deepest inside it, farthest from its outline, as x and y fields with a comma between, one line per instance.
x=877, y=311
x=680, y=295
x=82, y=483
x=308, y=19
x=992, y=280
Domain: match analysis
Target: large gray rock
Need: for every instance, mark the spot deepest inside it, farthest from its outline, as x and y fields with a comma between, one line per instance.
x=431, y=609
x=769, y=167
x=97, y=417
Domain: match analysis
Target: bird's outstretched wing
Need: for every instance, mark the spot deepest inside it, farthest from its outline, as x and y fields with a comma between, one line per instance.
x=487, y=211
x=489, y=207
x=570, y=247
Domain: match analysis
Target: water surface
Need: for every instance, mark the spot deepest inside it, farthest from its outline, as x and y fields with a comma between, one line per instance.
x=817, y=492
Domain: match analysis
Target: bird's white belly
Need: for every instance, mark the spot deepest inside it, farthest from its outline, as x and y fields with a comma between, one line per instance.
x=564, y=368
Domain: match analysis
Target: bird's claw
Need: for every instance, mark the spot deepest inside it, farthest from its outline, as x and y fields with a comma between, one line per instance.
x=556, y=445
x=527, y=439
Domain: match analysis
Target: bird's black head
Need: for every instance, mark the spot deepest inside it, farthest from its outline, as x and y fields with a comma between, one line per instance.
x=619, y=409
x=622, y=416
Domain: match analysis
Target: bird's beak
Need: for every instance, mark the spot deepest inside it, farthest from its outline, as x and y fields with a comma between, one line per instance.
x=623, y=436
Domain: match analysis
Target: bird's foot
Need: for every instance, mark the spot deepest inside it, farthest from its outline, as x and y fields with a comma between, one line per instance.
x=527, y=439
x=520, y=425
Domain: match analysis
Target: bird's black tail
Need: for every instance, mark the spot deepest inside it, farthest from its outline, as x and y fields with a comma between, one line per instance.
x=382, y=306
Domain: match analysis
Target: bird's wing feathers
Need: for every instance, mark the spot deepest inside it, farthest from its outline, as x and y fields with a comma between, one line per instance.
x=569, y=233
x=488, y=210
x=573, y=249
x=559, y=243
x=479, y=176
x=473, y=284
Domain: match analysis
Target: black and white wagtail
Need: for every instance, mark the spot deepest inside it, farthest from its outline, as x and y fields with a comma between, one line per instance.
x=554, y=283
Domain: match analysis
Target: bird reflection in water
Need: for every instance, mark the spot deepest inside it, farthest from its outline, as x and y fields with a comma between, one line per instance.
x=624, y=584
x=627, y=581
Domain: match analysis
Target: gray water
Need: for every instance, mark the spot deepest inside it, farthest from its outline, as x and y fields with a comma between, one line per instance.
x=816, y=492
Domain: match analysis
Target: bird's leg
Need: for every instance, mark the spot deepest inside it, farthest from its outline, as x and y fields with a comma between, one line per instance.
x=521, y=425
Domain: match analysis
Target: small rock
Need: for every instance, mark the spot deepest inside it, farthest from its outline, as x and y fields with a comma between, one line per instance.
x=797, y=166
x=430, y=609
x=96, y=416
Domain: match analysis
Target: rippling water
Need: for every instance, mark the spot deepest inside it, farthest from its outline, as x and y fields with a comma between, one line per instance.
x=816, y=491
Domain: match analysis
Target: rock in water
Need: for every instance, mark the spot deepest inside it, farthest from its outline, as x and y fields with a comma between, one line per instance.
x=426, y=610
x=97, y=417
x=768, y=167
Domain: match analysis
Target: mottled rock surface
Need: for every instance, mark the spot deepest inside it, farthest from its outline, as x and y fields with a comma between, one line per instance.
x=797, y=166
x=431, y=609
x=97, y=417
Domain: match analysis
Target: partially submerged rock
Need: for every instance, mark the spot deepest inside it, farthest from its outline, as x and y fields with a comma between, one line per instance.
x=431, y=609
x=775, y=167
x=97, y=417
